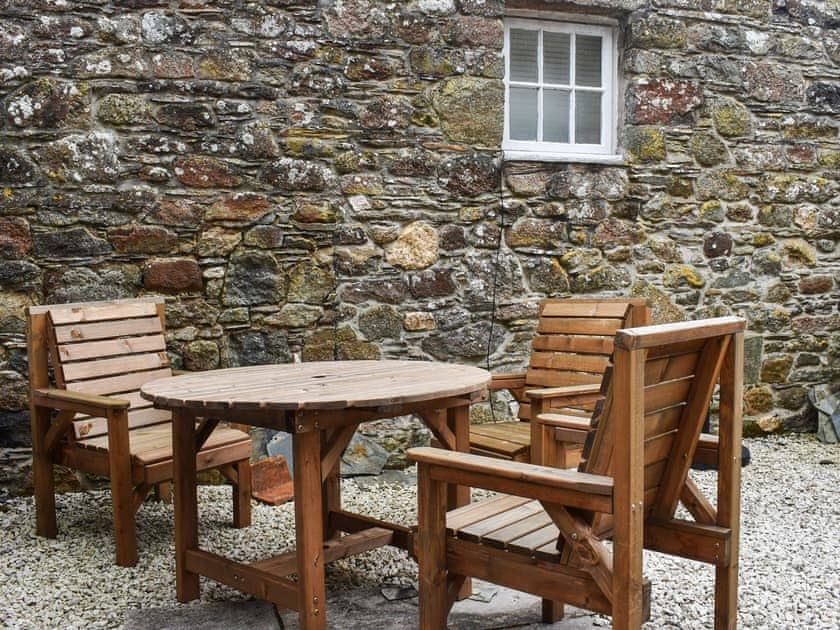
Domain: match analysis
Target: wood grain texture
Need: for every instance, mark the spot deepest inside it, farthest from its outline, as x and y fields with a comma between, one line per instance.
x=317, y=385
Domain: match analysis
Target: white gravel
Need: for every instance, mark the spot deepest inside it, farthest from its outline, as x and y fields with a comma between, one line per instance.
x=790, y=556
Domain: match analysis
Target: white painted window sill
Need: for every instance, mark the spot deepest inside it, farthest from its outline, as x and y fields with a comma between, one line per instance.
x=536, y=156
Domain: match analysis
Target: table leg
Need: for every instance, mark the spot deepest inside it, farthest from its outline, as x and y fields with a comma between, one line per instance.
x=309, y=530
x=458, y=420
x=186, y=503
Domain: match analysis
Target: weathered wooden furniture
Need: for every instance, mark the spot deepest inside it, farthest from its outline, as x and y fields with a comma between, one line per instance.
x=545, y=534
x=101, y=353
x=569, y=354
x=321, y=405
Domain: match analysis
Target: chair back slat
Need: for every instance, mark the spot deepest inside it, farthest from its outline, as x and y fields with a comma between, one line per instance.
x=109, y=349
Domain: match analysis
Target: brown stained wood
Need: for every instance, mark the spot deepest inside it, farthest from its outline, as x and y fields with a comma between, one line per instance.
x=186, y=504
x=529, y=543
x=402, y=536
x=87, y=354
x=343, y=385
x=92, y=427
x=532, y=575
x=514, y=471
x=75, y=333
x=117, y=384
x=334, y=448
x=579, y=326
x=507, y=381
x=702, y=543
x=464, y=516
x=670, y=368
x=664, y=334
x=119, y=471
x=71, y=352
x=309, y=529
x=242, y=493
x=350, y=545
x=505, y=537
x=80, y=402
x=57, y=431
x=431, y=551
x=662, y=421
x=628, y=468
x=488, y=526
x=119, y=365
x=580, y=308
x=637, y=433
x=593, y=556
x=729, y=479
x=691, y=423
x=261, y=584
x=569, y=361
x=99, y=311
x=547, y=378
x=667, y=394
x=153, y=444
x=579, y=345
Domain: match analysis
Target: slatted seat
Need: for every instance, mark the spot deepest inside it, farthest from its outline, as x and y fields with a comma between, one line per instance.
x=101, y=354
x=545, y=533
x=570, y=351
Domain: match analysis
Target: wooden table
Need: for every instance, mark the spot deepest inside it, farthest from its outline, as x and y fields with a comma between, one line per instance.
x=321, y=405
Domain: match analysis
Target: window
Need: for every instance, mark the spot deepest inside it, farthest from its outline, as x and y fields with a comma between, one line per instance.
x=559, y=90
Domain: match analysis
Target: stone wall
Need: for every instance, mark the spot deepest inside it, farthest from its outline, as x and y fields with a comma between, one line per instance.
x=325, y=179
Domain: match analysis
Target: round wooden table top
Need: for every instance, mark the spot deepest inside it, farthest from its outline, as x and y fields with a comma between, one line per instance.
x=316, y=385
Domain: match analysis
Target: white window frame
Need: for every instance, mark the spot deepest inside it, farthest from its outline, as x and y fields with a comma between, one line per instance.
x=604, y=152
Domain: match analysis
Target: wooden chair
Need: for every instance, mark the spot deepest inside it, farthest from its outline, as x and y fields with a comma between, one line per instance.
x=545, y=534
x=101, y=354
x=570, y=352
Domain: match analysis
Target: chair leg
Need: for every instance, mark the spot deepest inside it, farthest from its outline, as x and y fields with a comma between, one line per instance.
x=552, y=611
x=119, y=460
x=163, y=491
x=242, y=494
x=42, y=475
x=431, y=551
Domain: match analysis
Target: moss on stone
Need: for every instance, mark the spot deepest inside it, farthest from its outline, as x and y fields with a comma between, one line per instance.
x=645, y=144
x=731, y=118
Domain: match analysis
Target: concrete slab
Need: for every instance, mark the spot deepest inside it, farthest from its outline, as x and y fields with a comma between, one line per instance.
x=364, y=608
x=229, y=615
x=367, y=608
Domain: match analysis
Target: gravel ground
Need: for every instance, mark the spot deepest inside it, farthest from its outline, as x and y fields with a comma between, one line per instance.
x=790, y=565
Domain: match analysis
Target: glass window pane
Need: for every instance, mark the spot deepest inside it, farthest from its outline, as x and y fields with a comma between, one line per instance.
x=556, y=57
x=588, y=60
x=556, y=116
x=523, y=113
x=523, y=55
x=587, y=117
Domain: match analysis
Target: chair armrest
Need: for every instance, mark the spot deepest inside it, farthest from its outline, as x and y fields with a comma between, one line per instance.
x=180, y=372
x=572, y=429
x=90, y=404
x=513, y=380
x=553, y=485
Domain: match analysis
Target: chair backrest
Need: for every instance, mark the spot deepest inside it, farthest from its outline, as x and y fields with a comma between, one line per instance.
x=103, y=348
x=574, y=340
x=677, y=367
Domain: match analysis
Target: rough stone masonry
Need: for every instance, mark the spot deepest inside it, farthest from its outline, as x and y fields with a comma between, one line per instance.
x=325, y=178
